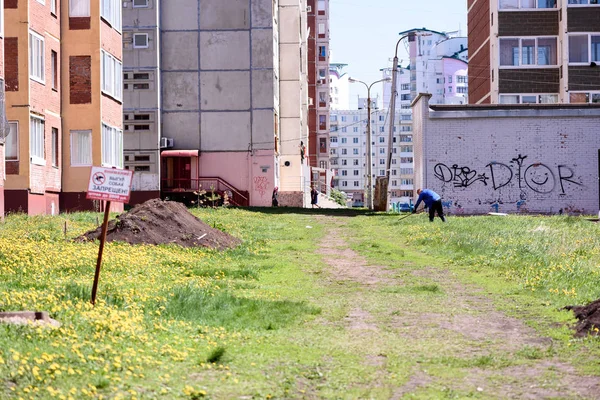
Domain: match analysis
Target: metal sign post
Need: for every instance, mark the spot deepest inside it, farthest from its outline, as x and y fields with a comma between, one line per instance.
x=108, y=185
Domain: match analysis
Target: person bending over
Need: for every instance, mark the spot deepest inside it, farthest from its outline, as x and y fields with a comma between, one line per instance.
x=433, y=201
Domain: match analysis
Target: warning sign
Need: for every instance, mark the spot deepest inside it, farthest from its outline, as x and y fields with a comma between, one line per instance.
x=110, y=184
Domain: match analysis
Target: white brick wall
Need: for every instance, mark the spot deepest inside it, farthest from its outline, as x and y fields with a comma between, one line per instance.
x=531, y=160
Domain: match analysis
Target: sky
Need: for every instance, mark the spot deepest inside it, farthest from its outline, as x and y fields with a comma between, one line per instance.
x=364, y=33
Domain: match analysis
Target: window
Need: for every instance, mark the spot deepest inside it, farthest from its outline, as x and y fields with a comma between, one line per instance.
x=550, y=98
x=584, y=97
x=321, y=5
x=141, y=117
x=517, y=4
x=112, y=76
x=406, y=149
x=355, y=140
x=344, y=172
x=53, y=7
x=112, y=146
x=79, y=8
x=381, y=118
x=405, y=117
x=322, y=51
x=81, y=148
x=356, y=184
x=36, y=57
x=462, y=89
x=140, y=76
x=321, y=73
x=405, y=97
x=517, y=52
x=344, y=151
x=462, y=79
x=333, y=151
x=355, y=118
x=12, y=142
x=140, y=40
x=333, y=139
x=356, y=172
x=344, y=129
x=36, y=140
x=449, y=78
x=111, y=13
x=355, y=151
x=583, y=2
x=54, y=147
x=382, y=139
x=140, y=3
x=354, y=162
x=382, y=172
x=449, y=89
x=321, y=29
x=141, y=127
x=344, y=162
x=405, y=86
x=54, y=66
x=355, y=129
x=382, y=129
x=406, y=160
x=584, y=49
x=382, y=151
x=394, y=172
x=344, y=140
x=344, y=183
x=381, y=161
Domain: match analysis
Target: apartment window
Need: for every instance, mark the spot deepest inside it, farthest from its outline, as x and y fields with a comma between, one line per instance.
x=517, y=52
x=344, y=140
x=344, y=129
x=382, y=129
x=111, y=13
x=344, y=183
x=36, y=57
x=36, y=140
x=405, y=97
x=141, y=127
x=355, y=151
x=381, y=118
x=343, y=118
x=354, y=162
x=140, y=40
x=405, y=86
x=356, y=184
x=393, y=161
x=140, y=76
x=355, y=140
x=382, y=139
x=321, y=5
x=81, y=148
x=321, y=29
x=584, y=97
x=333, y=139
x=141, y=117
x=344, y=162
x=382, y=172
x=549, y=98
x=526, y=4
x=344, y=172
x=321, y=73
x=382, y=161
x=382, y=151
x=141, y=86
x=355, y=118
x=449, y=89
x=394, y=172
x=406, y=149
x=406, y=117
x=394, y=183
x=462, y=89
x=53, y=7
x=584, y=49
x=112, y=146
x=333, y=151
x=140, y=3
x=356, y=172
x=54, y=147
x=322, y=51
x=344, y=151
x=112, y=76
x=54, y=66
x=449, y=78
x=462, y=79
x=355, y=129
x=79, y=8
x=11, y=142
x=584, y=2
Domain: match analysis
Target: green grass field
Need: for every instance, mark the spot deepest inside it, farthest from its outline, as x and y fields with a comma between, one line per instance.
x=270, y=320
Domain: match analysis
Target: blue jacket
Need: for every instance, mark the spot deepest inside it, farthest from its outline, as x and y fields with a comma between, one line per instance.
x=428, y=197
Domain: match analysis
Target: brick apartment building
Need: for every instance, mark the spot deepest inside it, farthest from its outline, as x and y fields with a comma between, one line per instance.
x=63, y=100
x=3, y=125
x=525, y=51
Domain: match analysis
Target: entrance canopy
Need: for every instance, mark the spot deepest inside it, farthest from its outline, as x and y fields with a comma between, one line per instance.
x=179, y=153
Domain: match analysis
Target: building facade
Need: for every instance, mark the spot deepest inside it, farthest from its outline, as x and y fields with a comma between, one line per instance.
x=529, y=52
x=63, y=100
x=4, y=132
x=318, y=88
x=532, y=158
x=339, y=87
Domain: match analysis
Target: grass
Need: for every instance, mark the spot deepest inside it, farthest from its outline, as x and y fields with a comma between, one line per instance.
x=270, y=320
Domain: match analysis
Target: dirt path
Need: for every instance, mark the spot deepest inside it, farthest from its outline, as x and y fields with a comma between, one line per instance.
x=461, y=320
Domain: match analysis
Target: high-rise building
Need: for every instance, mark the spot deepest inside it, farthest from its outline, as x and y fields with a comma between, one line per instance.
x=318, y=89
x=211, y=104
x=63, y=86
x=526, y=51
x=339, y=89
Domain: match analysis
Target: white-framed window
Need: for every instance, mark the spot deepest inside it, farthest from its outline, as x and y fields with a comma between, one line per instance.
x=36, y=57
x=355, y=129
x=344, y=140
x=355, y=151
x=140, y=3
x=583, y=3
x=381, y=139
x=36, y=140
x=584, y=48
x=355, y=118
x=528, y=52
x=11, y=142
x=333, y=139
x=321, y=5
x=584, y=97
x=321, y=29
x=42, y=2
x=344, y=183
x=81, y=148
x=111, y=13
x=344, y=152
x=381, y=161
x=53, y=7
x=530, y=98
x=526, y=4
x=344, y=172
x=112, y=76
x=355, y=140
x=354, y=162
x=79, y=8
x=55, y=142
x=356, y=184
x=140, y=40
x=112, y=146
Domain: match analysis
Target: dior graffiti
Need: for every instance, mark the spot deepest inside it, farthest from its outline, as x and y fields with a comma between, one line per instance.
x=538, y=177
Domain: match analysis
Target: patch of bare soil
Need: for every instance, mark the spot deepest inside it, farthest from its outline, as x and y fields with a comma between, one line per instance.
x=416, y=381
x=163, y=222
x=360, y=319
x=589, y=319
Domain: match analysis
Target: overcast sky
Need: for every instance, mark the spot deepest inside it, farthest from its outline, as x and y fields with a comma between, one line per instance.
x=364, y=32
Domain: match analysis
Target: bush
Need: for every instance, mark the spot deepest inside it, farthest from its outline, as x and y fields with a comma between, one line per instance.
x=338, y=197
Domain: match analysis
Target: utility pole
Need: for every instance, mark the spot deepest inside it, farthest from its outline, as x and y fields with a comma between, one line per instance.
x=369, y=190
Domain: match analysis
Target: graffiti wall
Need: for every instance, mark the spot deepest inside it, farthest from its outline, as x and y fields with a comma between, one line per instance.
x=518, y=161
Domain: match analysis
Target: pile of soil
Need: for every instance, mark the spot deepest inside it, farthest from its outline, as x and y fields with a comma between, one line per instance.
x=589, y=318
x=163, y=222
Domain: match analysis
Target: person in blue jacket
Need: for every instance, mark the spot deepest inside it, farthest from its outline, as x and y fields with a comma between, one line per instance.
x=433, y=201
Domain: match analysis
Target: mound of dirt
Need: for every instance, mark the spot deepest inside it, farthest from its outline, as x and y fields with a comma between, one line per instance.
x=163, y=222
x=589, y=318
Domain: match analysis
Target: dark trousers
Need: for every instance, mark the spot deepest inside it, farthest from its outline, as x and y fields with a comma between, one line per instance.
x=436, y=207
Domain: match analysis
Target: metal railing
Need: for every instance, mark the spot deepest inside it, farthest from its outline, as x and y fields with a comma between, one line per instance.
x=208, y=184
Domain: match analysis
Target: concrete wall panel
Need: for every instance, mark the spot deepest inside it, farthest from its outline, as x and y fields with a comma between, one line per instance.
x=183, y=16
x=225, y=131
x=263, y=85
x=262, y=48
x=180, y=91
x=183, y=128
x=225, y=90
x=262, y=13
x=225, y=50
x=180, y=50
x=263, y=127
x=224, y=14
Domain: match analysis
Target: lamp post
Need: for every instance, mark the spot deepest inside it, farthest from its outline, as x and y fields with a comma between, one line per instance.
x=368, y=160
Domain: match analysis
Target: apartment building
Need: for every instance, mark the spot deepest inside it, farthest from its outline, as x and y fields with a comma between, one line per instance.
x=4, y=128
x=318, y=81
x=348, y=148
x=63, y=100
x=534, y=51
x=339, y=87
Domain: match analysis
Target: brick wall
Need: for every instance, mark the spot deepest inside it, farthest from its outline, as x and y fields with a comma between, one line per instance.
x=528, y=23
x=583, y=19
x=11, y=65
x=522, y=160
x=478, y=33
x=536, y=80
x=80, y=79
x=584, y=78
x=478, y=23
x=480, y=76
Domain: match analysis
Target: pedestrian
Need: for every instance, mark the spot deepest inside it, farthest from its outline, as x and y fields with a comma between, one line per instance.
x=275, y=197
x=314, y=197
x=431, y=200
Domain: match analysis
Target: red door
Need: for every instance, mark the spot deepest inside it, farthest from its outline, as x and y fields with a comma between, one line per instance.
x=177, y=172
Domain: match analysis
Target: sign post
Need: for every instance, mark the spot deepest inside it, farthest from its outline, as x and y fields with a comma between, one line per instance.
x=108, y=185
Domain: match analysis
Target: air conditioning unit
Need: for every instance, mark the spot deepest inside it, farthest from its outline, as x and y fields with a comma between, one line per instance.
x=308, y=9
x=166, y=143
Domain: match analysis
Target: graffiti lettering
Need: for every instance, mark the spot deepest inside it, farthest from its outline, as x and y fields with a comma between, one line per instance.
x=561, y=177
x=539, y=178
x=501, y=174
x=460, y=176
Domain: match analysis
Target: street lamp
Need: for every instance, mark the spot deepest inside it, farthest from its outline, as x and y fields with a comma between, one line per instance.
x=369, y=190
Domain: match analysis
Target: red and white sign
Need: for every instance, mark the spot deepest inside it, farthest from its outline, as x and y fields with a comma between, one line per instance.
x=110, y=184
